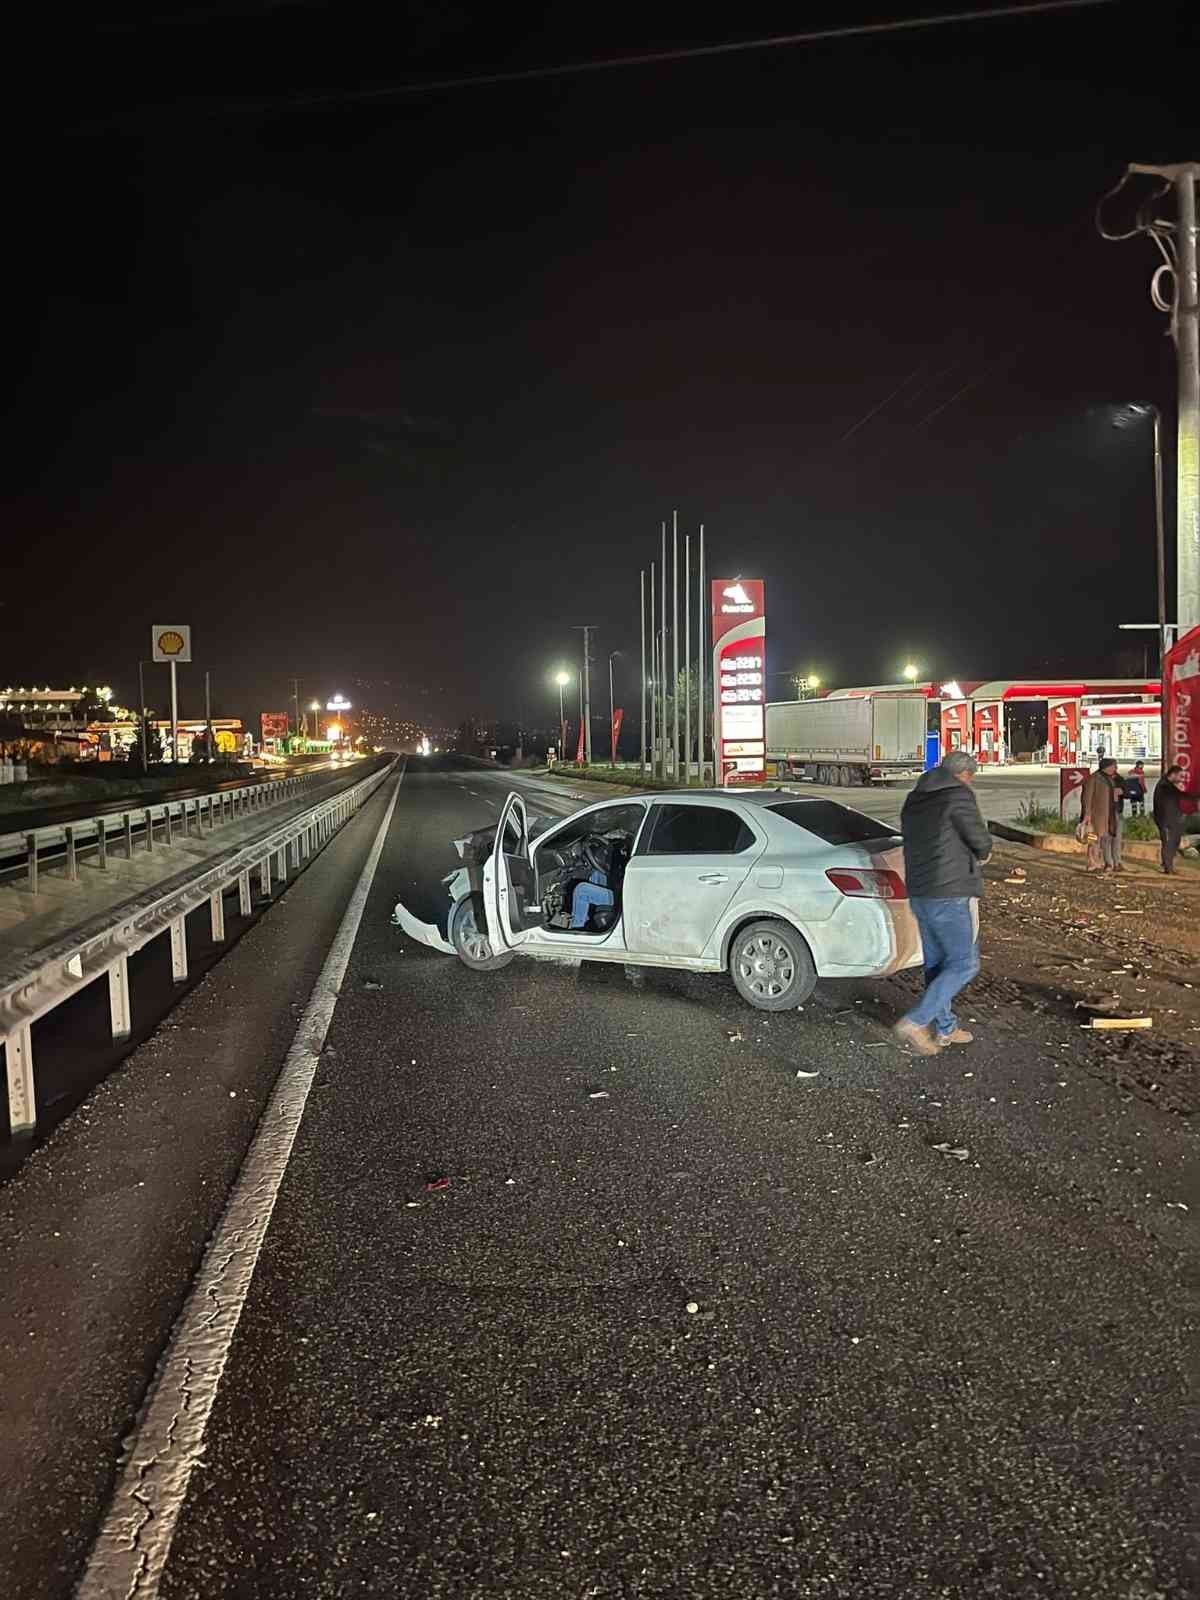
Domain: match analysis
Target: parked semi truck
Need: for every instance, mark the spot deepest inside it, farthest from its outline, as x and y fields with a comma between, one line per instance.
x=846, y=742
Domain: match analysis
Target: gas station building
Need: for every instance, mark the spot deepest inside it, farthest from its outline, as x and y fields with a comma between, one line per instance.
x=1085, y=718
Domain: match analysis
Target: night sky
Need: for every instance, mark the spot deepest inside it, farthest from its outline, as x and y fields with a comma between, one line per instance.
x=398, y=389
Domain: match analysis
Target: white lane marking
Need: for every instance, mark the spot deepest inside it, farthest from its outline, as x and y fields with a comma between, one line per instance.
x=134, y=1541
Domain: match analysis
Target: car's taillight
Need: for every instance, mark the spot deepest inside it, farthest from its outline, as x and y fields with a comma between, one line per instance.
x=866, y=883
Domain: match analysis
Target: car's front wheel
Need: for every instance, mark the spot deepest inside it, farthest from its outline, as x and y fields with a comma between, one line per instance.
x=771, y=966
x=471, y=943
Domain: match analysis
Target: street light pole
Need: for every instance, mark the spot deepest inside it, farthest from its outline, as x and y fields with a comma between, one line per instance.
x=1181, y=302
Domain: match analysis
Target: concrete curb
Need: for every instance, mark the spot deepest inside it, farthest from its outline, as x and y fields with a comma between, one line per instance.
x=1066, y=843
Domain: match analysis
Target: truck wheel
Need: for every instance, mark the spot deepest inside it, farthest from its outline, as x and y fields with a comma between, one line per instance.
x=771, y=966
x=844, y=777
x=471, y=944
x=823, y=775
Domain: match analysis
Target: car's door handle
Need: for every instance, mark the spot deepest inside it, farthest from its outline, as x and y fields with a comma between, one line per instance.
x=713, y=877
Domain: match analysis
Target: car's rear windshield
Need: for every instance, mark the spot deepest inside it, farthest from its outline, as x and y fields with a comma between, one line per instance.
x=834, y=823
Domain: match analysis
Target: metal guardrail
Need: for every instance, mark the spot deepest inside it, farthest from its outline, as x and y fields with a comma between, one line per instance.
x=102, y=947
x=123, y=823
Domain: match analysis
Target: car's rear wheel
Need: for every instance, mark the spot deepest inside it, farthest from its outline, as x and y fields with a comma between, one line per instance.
x=471, y=943
x=771, y=966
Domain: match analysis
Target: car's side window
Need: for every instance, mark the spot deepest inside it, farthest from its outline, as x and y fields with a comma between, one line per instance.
x=696, y=831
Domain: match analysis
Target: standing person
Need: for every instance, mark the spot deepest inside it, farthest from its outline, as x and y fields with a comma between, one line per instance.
x=945, y=843
x=1099, y=803
x=1168, y=814
x=1135, y=789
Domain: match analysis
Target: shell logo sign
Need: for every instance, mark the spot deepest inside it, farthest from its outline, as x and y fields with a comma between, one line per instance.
x=171, y=642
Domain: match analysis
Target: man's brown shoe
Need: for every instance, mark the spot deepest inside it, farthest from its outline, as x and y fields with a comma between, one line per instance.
x=959, y=1036
x=919, y=1039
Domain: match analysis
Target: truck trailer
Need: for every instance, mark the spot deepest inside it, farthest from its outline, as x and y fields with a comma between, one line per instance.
x=845, y=742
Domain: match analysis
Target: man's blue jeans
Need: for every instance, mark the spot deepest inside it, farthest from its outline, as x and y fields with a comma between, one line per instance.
x=951, y=946
x=592, y=893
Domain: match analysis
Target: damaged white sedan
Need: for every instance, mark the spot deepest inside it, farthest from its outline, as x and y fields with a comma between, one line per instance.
x=776, y=889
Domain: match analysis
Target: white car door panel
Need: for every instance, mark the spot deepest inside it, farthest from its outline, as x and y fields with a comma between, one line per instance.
x=675, y=898
x=499, y=890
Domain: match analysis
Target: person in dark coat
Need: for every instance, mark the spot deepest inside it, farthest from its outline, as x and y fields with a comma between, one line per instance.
x=1100, y=816
x=945, y=843
x=1135, y=789
x=1168, y=813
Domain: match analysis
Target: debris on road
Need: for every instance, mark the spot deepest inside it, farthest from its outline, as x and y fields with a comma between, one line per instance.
x=599, y=1094
x=369, y=983
x=954, y=1152
x=692, y=1308
x=1125, y=1023
x=802, y=1074
x=437, y=1181
x=735, y=1036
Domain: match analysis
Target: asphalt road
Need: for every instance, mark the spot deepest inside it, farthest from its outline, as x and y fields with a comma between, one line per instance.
x=906, y=1373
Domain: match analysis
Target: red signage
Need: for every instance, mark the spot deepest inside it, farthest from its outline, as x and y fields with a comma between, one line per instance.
x=1181, y=686
x=275, y=725
x=956, y=726
x=739, y=633
x=618, y=717
x=1070, y=781
x=579, y=746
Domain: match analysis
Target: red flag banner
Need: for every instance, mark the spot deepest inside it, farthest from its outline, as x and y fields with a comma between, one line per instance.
x=618, y=717
x=579, y=746
x=1181, y=688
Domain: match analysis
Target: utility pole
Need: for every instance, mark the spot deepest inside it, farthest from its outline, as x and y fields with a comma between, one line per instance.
x=1176, y=243
x=296, y=703
x=675, y=638
x=642, y=622
x=208, y=733
x=687, y=660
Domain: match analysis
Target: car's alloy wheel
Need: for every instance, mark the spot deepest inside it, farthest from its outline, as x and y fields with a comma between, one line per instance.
x=471, y=943
x=771, y=966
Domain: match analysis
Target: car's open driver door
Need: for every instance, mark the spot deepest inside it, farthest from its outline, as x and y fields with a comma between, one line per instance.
x=507, y=877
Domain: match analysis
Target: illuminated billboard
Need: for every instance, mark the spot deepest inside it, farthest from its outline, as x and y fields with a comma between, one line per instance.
x=739, y=635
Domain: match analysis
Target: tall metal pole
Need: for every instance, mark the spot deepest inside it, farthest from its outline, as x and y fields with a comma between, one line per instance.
x=145, y=741
x=1187, y=344
x=642, y=622
x=675, y=637
x=653, y=682
x=174, y=716
x=1160, y=538
x=702, y=653
x=662, y=599
x=562, y=724
x=612, y=713
x=587, y=694
x=687, y=658
x=208, y=717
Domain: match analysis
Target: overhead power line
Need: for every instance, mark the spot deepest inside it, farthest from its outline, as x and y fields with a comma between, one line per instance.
x=648, y=58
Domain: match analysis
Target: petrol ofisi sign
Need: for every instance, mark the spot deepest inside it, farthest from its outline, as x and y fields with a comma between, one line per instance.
x=739, y=635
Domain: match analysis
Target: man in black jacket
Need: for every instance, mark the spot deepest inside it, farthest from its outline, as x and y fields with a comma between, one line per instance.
x=945, y=843
x=1168, y=813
